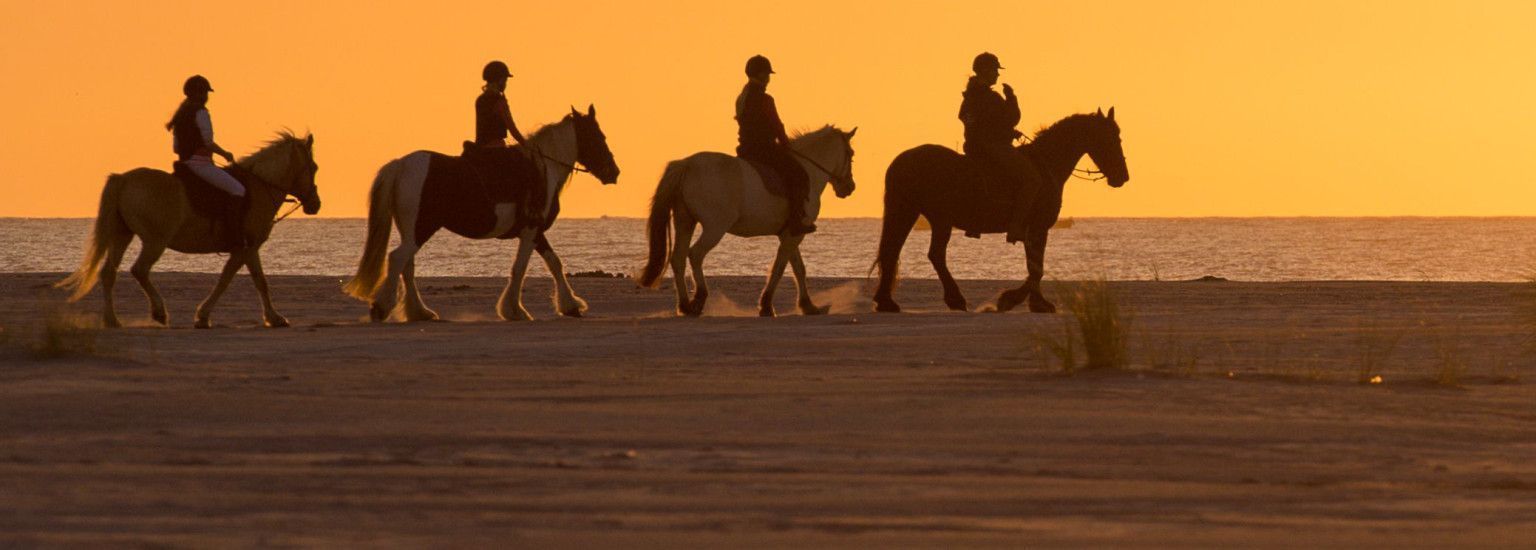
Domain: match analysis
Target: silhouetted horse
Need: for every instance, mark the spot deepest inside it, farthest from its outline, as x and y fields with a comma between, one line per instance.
x=951, y=191
x=153, y=205
x=424, y=192
x=726, y=194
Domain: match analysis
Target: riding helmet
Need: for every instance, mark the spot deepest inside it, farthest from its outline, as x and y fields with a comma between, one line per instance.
x=759, y=65
x=984, y=62
x=196, y=84
x=495, y=70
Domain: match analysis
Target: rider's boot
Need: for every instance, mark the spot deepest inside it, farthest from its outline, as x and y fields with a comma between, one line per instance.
x=234, y=222
x=795, y=224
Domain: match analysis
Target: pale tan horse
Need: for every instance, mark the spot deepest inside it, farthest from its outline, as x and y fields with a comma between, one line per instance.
x=724, y=194
x=151, y=205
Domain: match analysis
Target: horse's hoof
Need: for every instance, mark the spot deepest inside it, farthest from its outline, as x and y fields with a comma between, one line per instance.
x=767, y=312
x=111, y=322
x=957, y=304
x=160, y=318
x=203, y=323
x=574, y=313
x=813, y=309
x=424, y=316
x=887, y=306
x=519, y=315
x=1009, y=300
x=378, y=314
x=1040, y=305
x=277, y=322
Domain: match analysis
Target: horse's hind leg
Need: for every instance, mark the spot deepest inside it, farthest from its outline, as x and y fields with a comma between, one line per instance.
x=894, y=229
x=807, y=307
x=775, y=274
x=108, y=278
x=147, y=257
x=205, y=309
x=388, y=293
x=415, y=308
x=567, y=303
x=682, y=231
x=269, y=315
x=696, y=253
x=938, y=250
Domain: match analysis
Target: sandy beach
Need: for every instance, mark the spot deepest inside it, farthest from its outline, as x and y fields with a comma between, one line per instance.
x=1240, y=423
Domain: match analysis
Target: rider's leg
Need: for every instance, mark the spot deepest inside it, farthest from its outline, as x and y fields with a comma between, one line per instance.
x=796, y=191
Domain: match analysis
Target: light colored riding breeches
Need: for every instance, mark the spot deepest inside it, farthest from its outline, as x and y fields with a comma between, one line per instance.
x=204, y=168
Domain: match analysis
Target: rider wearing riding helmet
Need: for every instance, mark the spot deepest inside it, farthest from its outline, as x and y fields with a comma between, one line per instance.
x=761, y=138
x=493, y=121
x=192, y=134
x=989, y=134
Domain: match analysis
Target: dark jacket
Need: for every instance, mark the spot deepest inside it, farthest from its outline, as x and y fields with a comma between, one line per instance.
x=188, y=137
x=988, y=118
x=758, y=120
x=490, y=118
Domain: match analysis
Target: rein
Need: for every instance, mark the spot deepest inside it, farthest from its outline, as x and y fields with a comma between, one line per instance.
x=269, y=185
x=1075, y=170
x=829, y=173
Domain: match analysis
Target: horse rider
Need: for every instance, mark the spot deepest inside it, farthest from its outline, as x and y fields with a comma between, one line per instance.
x=761, y=139
x=192, y=140
x=493, y=121
x=989, y=135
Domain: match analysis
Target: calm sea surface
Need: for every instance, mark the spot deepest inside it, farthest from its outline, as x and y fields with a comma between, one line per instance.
x=1247, y=249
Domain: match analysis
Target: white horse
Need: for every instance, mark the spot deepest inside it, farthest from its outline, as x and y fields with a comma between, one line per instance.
x=725, y=194
x=402, y=194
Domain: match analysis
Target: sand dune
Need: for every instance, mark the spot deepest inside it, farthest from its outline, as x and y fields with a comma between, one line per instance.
x=1240, y=425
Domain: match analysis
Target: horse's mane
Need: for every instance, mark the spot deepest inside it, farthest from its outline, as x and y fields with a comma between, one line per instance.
x=263, y=155
x=541, y=130
x=804, y=133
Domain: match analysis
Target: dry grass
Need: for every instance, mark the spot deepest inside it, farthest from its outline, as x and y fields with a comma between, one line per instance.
x=1062, y=347
x=1102, y=324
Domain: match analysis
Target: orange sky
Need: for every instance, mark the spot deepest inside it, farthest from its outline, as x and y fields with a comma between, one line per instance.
x=1228, y=108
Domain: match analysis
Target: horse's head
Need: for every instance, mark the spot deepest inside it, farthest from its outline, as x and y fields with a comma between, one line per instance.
x=287, y=163
x=842, y=182
x=304, y=187
x=592, y=146
x=1105, y=149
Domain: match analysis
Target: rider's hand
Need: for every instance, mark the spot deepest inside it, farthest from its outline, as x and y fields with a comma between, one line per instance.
x=1008, y=91
x=1017, y=134
x=228, y=156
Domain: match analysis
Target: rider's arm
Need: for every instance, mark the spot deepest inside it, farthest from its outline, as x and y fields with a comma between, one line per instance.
x=1010, y=106
x=506, y=117
x=773, y=115
x=205, y=126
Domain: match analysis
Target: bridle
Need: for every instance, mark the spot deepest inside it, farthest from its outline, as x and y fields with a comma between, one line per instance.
x=1075, y=170
x=845, y=177
x=297, y=204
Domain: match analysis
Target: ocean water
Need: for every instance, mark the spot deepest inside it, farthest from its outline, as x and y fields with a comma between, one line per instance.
x=1246, y=249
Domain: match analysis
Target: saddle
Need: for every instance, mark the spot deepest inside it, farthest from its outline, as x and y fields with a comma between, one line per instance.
x=772, y=180
x=998, y=189
x=221, y=209
x=208, y=202
x=503, y=173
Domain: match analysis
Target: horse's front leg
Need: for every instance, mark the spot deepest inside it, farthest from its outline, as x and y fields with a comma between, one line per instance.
x=269, y=314
x=807, y=307
x=510, y=307
x=205, y=309
x=567, y=303
x=1034, y=252
x=775, y=274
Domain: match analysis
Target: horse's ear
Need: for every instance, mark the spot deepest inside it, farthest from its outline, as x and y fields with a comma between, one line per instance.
x=309, y=141
x=855, y=130
x=1101, y=111
x=1111, y=113
x=591, y=110
x=574, y=112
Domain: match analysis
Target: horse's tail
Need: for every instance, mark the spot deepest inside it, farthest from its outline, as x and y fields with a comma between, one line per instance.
x=108, y=229
x=381, y=203
x=658, y=227
x=897, y=220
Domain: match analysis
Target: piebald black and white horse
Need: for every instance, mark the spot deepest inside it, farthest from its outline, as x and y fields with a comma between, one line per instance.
x=424, y=192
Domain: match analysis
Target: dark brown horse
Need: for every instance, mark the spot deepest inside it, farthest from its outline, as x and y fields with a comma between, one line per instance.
x=952, y=192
